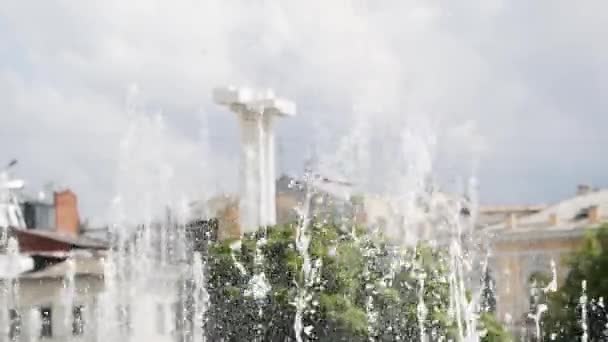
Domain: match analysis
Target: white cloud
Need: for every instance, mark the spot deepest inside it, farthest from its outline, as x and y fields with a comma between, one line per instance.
x=523, y=75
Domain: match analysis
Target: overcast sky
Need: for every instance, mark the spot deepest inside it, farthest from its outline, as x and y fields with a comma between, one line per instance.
x=112, y=97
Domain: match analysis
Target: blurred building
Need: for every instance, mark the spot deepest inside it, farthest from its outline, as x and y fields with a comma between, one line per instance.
x=225, y=209
x=528, y=240
x=39, y=214
x=34, y=296
x=330, y=200
x=40, y=248
x=58, y=215
x=495, y=214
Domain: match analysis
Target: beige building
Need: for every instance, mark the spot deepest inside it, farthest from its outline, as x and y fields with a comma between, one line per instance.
x=44, y=309
x=330, y=199
x=495, y=214
x=530, y=239
x=41, y=304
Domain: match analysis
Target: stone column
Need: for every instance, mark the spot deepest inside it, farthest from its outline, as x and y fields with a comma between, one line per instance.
x=250, y=170
x=256, y=111
x=270, y=167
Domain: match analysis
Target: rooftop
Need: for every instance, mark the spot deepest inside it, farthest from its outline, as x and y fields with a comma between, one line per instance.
x=568, y=217
x=79, y=241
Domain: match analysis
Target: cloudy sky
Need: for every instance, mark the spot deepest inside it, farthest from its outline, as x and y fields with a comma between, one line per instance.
x=108, y=96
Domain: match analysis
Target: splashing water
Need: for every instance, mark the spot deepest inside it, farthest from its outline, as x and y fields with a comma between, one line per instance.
x=235, y=247
x=201, y=297
x=583, y=304
x=302, y=243
x=133, y=267
x=258, y=284
x=151, y=267
x=552, y=285
x=69, y=291
x=34, y=324
x=421, y=309
x=370, y=310
x=151, y=262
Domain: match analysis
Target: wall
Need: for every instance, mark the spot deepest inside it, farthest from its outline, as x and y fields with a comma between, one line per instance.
x=48, y=292
x=286, y=204
x=151, y=314
x=513, y=262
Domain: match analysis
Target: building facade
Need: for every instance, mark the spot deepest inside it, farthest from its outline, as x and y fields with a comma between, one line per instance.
x=526, y=246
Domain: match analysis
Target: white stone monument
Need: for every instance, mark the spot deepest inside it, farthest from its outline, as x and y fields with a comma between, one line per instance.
x=256, y=111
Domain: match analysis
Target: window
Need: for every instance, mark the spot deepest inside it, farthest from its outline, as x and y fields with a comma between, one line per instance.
x=46, y=316
x=78, y=320
x=15, y=325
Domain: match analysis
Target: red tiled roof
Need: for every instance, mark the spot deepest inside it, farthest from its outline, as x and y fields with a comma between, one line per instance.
x=32, y=241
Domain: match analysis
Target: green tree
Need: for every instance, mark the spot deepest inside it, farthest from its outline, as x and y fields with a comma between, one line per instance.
x=488, y=288
x=364, y=288
x=537, y=286
x=492, y=330
x=563, y=321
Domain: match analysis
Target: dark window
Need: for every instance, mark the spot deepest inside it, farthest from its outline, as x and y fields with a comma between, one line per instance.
x=39, y=215
x=78, y=320
x=15, y=325
x=29, y=213
x=582, y=214
x=46, y=315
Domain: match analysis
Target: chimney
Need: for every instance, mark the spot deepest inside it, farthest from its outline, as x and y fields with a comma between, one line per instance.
x=553, y=220
x=593, y=214
x=511, y=221
x=583, y=189
x=66, y=213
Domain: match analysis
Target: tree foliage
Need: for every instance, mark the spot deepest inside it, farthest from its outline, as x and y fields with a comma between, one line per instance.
x=488, y=289
x=363, y=288
x=493, y=331
x=564, y=319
